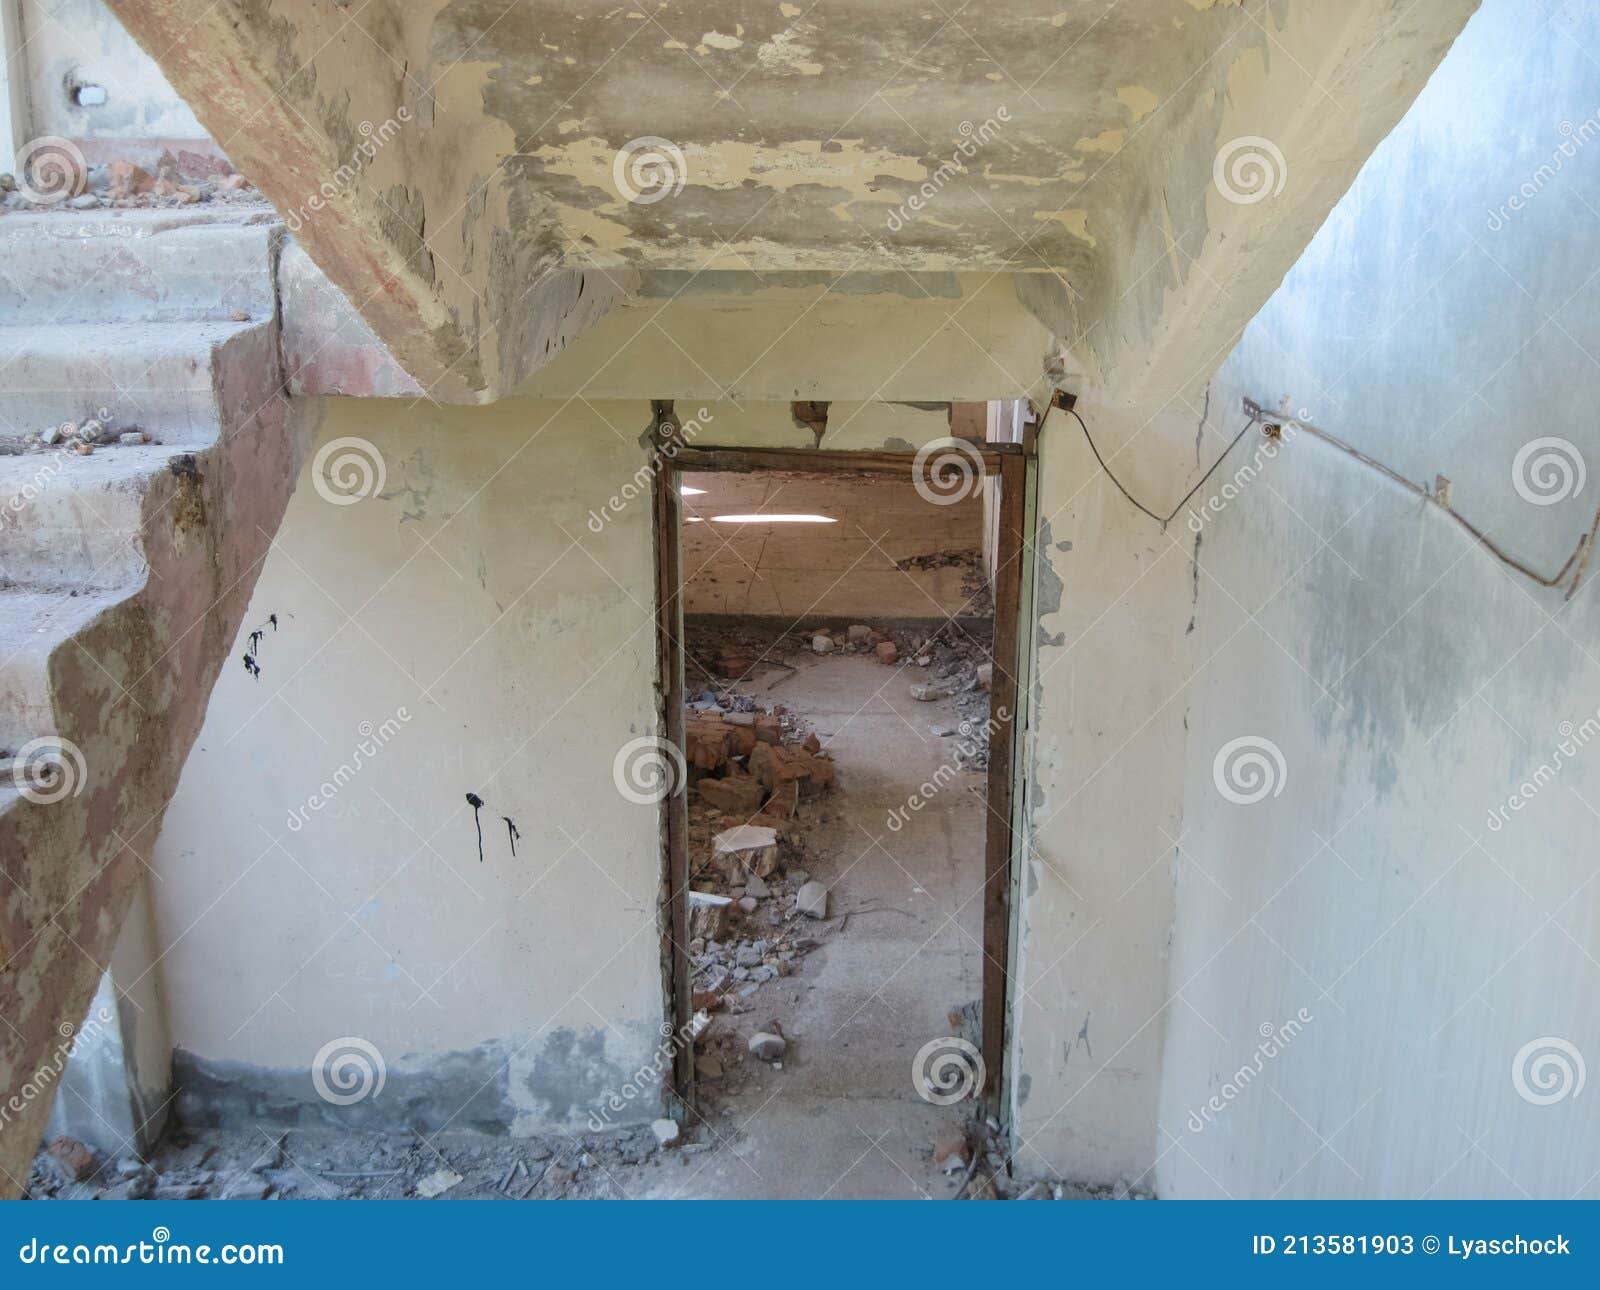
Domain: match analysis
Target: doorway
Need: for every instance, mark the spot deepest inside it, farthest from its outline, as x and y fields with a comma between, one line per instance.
x=839, y=653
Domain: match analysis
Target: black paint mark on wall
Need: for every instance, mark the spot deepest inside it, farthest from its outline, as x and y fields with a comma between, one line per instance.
x=512, y=832
x=252, y=651
x=476, y=803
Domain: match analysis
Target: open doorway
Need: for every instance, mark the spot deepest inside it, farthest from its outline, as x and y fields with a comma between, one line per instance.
x=839, y=638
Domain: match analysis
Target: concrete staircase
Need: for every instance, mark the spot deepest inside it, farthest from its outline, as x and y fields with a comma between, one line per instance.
x=124, y=577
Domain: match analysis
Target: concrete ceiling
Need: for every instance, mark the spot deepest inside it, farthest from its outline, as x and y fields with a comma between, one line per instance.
x=488, y=179
x=794, y=135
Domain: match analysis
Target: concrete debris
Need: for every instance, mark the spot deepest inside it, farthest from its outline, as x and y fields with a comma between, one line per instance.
x=74, y=1161
x=822, y=644
x=186, y=178
x=812, y=900
x=767, y=1047
x=81, y=437
x=952, y=1146
x=929, y=693
x=666, y=1131
x=436, y=1183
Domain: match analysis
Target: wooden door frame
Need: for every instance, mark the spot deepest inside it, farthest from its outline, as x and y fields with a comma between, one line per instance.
x=1009, y=464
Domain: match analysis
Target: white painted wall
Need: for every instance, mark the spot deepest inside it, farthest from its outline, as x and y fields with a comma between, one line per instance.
x=68, y=42
x=1103, y=805
x=512, y=650
x=1411, y=681
x=508, y=639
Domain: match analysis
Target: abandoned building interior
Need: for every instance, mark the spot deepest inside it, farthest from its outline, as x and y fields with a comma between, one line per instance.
x=749, y=600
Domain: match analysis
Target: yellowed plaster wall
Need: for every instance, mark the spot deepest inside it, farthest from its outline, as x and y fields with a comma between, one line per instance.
x=462, y=630
x=848, y=568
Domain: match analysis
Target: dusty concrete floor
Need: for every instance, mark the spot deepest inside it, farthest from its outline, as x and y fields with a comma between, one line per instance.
x=843, y=1117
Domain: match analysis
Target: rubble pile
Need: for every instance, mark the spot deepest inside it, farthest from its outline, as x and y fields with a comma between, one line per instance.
x=739, y=764
x=182, y=179
x=340, y=1164
x=81, y=437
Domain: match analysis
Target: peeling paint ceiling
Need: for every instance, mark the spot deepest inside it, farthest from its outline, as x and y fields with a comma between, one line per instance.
x=863, y=135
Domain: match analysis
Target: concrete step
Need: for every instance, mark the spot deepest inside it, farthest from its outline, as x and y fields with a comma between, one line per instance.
x=135, y=266
x=70, y=519
x=35, y=620
x=153, y=375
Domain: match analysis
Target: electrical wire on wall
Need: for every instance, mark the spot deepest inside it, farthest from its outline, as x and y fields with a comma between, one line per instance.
x=1576, y=564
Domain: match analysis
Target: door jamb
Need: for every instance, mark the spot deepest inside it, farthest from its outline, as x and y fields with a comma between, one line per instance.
x=1005, y=461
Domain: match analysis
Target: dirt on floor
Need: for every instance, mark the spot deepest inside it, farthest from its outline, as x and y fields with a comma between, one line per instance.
x=814, y=1013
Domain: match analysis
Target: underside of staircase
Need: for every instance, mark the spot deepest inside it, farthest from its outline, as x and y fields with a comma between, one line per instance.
x=125, y=572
